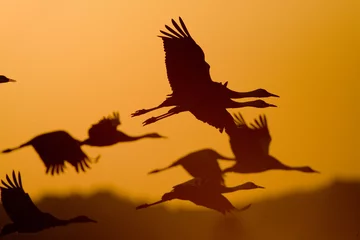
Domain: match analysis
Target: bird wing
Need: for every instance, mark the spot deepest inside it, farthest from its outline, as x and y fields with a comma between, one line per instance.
x=262, y=133
x=253, y=138
x=213, y=200
x=184, y=59
x=56, y=147
x=104, y=126
x=217, y=117
x=17, y=204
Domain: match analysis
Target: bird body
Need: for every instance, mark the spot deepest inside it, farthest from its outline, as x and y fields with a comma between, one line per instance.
x=105, y=133
x=193, y=89
x=25, y=216
x=55, y=148
x=250, y=146
x=4, y=79
x=200, y=164
x=203, y=192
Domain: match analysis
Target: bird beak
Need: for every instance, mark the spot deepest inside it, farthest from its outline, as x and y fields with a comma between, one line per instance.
x=316, y=171
x=163, y=136
x=272, y=105
x=274, y=95
x=261, y=187
x=93, y=221
x=11, y=80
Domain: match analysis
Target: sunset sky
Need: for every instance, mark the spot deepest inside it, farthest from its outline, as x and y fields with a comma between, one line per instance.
x=77, y=61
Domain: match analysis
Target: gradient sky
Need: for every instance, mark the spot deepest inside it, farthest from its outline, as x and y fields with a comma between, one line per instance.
x=77, y=61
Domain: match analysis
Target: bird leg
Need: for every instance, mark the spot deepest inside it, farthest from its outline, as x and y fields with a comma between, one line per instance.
x=155, y=119
x=149, y=205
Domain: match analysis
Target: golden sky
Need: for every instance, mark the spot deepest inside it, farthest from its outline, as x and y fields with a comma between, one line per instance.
x=76, y=61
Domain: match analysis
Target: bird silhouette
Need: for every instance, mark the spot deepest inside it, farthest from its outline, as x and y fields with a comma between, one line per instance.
x=250, y=146
x=193, y=89
x=204, y=192
x=4, y=79
x=105, y=133
x=25, y=216
x=200, y=164
x=54, y=148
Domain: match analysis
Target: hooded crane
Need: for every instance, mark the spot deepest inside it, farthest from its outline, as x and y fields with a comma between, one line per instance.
x=193, y=89
x=25, y=216
x=200, y=164
x=54, y=148
x=250, y=146
x=105, y=133
x=204, y=192
x=4, y=79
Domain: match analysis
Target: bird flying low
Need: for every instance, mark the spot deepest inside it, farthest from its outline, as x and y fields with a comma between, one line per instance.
x=25, y=216
x=250, y=145
x=204, y=192
x=193, y=89
x=55, y=148
x=105, y=133
x=200, y=164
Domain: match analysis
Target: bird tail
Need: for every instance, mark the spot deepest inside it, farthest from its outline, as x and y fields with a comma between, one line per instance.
x=16, y=148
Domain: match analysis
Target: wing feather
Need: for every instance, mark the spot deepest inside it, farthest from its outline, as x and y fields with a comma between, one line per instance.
x=16, y=202
x=184, y=59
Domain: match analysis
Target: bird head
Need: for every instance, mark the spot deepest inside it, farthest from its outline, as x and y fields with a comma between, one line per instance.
x=155, y=135
x=308, y=169
x=261, y=104
x=262, y=93
x=82, y=219
x=4, y=79
x=251, y=185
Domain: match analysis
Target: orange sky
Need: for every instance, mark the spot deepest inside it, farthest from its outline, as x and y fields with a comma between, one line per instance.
x=76, y=61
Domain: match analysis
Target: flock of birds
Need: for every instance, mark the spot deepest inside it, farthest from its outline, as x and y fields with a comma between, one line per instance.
x=193, y=90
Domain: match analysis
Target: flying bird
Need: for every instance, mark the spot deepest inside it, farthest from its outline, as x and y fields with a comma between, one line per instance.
x=55, y=148
x=25, y=216
x=200, y=164
x=4, y=79
x=105, y=133
x=193, y=89
x=250, y=145
x=206, y=193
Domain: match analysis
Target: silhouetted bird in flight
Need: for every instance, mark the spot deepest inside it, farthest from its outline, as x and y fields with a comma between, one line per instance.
x=54, y=148
x=200, y=164
x=4, y=79
x=193, y=89
x=25, y=216
x=250, y=146
x=206, y=193
x=105, y=133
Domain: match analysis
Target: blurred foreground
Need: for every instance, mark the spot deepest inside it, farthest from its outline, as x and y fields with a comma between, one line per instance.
x=329, y=213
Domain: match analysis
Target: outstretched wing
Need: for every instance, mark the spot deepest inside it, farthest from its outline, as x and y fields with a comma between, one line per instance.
x=185, y=60
x=17, y=204
x=56, y=147
x=261, y=131
x=105, y=126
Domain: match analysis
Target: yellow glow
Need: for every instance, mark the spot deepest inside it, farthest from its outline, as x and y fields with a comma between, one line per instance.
x=76, y=61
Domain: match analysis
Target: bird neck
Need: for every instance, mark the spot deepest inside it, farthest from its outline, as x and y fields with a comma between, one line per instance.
x=134, y=138
x=235, y=188
x=234, y=104
x=234, y=94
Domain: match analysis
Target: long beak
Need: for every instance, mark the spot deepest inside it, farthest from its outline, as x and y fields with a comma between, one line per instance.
x=274, y=95
x=272, y=105
x=93, y=221
x=11, y=80
x=260, y=187
x=163, y=136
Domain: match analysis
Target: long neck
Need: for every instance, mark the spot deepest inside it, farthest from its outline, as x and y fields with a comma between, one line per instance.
x=233, y=104
x=134, y=138
x=234, y=94
x=236, y=188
